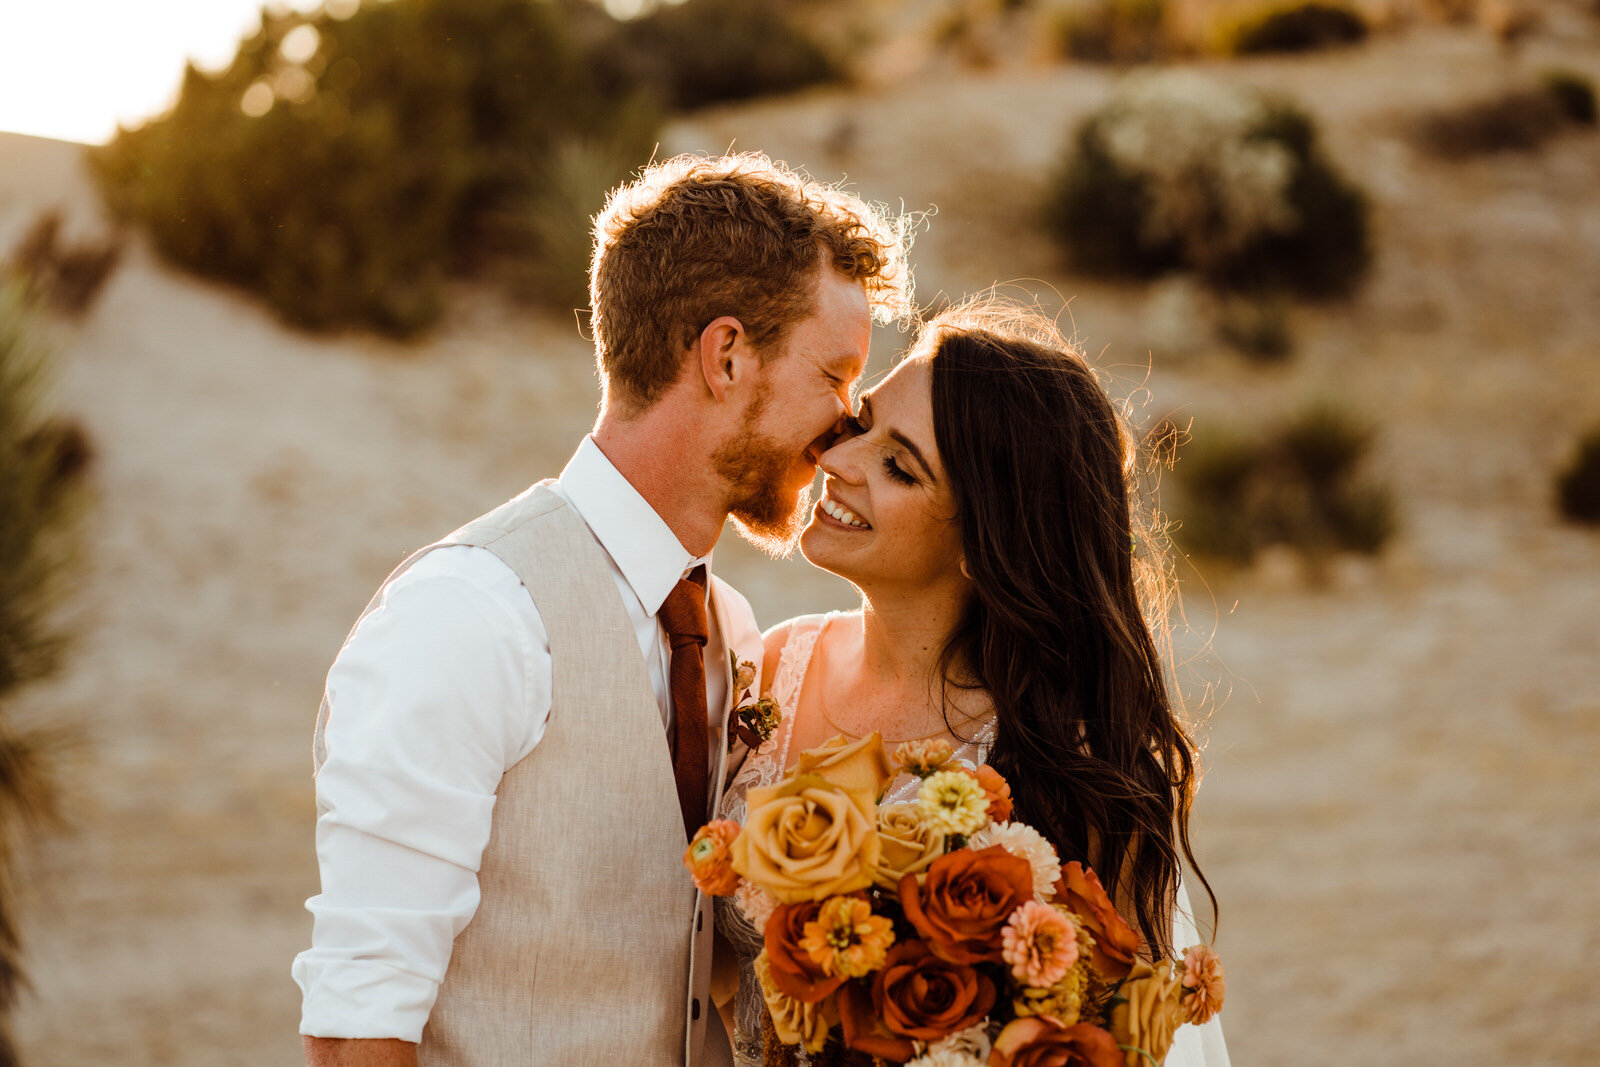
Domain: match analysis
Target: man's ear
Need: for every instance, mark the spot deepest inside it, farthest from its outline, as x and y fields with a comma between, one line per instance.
x=721, y=346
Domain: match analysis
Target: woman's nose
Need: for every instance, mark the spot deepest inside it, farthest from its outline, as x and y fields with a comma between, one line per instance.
x=841, y=461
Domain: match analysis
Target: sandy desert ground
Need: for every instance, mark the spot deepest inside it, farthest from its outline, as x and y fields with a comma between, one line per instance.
x=1401, y=813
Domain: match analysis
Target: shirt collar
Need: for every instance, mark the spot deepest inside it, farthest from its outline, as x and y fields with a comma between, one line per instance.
x=639, y=541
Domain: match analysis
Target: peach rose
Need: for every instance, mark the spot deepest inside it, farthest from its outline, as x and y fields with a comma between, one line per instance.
x=1115, y=942
x=793, y=969
x=708, y=859
x=796, y=1022
x=909, y=845
x=1040, y=1041
x=806, y=838
x=963, y=904
x=861, y=764
x=1150, y=1015
x=995, y=787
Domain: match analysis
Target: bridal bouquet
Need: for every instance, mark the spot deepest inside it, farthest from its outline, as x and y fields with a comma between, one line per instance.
x=938, y=932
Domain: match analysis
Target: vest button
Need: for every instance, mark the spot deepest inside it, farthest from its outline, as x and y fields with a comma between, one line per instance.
x=694, y=1009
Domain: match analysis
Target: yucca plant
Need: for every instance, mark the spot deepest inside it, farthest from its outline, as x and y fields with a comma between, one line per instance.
x=41, y=463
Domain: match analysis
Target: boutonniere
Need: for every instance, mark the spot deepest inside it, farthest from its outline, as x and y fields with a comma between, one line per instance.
x=753, y=720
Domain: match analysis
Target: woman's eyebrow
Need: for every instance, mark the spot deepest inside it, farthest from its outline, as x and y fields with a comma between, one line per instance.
x=899, y=438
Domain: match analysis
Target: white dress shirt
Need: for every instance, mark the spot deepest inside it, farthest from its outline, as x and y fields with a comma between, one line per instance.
x=441, y=689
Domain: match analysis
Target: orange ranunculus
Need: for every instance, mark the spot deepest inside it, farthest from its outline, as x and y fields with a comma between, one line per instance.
x=864, y=1030
x=1040, y=1041
x=996, y=788
x=860, y=764
x=709, y=860
x=921, y=996
x=793, y=969
x=807, y=838
x=1115, y=942
x=965, y=900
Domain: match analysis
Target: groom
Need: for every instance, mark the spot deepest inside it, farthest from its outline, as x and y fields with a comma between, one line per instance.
x=530, y=718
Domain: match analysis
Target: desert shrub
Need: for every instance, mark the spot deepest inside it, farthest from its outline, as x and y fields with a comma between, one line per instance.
x=1300, y=26
x=1298, y=483
x=704, y=52
x=1578, y=483
x=1574, y=93
x=1113, y=31
x=343, y=167
x=1518, y=120
x=1181, y=172
x=1257, y=326
x=67, y=276
x=42, y=460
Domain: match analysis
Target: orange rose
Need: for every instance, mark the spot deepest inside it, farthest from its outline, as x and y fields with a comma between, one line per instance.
x=793, y=969
x=709, y=860
x=1116, y=944
x=864, y=1030
x=921, y=996
x=1040, y=1041
x=965, y=900
x=861, y=764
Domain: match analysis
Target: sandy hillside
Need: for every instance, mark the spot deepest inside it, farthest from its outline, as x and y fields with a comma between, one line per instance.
x=1400, y=816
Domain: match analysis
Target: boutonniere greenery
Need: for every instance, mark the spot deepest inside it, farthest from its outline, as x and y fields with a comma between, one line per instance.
x=753, y=720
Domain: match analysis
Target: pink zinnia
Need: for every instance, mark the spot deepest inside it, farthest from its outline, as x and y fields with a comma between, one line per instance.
x=1040, y=943
x=1203, y=983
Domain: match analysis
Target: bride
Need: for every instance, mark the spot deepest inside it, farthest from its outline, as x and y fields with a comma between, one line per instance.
x=982, y=506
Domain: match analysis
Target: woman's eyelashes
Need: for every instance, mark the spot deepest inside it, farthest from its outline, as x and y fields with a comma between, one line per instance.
x=893, y=469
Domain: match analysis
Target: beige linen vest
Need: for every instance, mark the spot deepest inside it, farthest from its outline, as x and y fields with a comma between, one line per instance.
x=590, y=944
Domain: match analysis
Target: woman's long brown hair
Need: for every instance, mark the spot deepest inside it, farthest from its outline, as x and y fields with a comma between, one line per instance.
x=1041, y=465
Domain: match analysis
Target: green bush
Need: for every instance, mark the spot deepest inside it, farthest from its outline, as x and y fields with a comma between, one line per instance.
x=702, y=52
x=1578, y=483
x=368, y=177
x=344, y=167
x=1573, y=93
x=1303, y=26
x=1180, y=172
x=42, y=460
x=1297, y=484
x=1519, y=120
x=1258, y=327
x=68, y=277
x=1114, y=31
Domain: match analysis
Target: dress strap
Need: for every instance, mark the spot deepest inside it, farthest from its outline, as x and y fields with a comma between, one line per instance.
x=793, y=662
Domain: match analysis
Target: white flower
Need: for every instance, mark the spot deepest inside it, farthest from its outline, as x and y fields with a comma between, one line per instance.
x=973, y=1042
x=1020, y=839
x=945, y=1058
x=756, y=903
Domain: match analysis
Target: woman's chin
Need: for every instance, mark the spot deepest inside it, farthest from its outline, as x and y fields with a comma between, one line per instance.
x=818, y=547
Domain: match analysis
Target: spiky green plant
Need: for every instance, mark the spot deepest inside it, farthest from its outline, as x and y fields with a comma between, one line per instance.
x=41, y=460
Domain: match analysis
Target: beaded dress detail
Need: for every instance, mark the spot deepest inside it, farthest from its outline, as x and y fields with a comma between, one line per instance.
x=764, y=767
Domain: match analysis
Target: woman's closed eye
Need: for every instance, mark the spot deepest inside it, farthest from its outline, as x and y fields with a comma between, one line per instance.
x=892, y=468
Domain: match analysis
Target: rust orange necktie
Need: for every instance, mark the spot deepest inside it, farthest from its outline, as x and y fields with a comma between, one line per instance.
x=683, y=616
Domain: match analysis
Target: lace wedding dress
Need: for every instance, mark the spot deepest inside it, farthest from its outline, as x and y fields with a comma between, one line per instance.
x=1195, y=1047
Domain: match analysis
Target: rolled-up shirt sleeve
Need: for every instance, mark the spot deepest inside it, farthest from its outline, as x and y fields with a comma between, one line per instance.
x=441, y=689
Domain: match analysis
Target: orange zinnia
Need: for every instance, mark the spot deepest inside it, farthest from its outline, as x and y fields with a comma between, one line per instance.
x=846, y=938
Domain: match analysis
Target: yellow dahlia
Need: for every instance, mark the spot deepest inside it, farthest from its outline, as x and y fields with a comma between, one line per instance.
x=953, y=803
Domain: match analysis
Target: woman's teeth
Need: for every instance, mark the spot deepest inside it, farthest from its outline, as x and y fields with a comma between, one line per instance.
x=843, y=515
